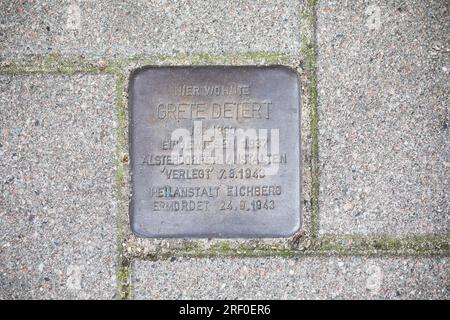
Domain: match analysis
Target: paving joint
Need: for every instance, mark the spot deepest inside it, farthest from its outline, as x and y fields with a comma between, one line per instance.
x=310, y=53
x=58, y=64
x=123, y=290
x=327, y=245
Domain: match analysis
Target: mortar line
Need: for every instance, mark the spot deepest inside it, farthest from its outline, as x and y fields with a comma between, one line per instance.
x=123, y=289
x=329, y=245
x=291, y=254
x=315, y=131
x=59, y=64
x=310, y=52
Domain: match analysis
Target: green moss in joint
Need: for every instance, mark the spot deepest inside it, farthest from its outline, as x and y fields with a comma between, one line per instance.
x=123, y=272
x=57, y=64
x=329, y=245
x=123, y=281
x=310, y=55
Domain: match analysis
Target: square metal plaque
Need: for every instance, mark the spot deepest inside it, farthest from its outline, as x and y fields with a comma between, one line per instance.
x=215, y=152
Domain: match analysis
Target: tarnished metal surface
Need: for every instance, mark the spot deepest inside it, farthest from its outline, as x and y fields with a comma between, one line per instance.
x=215, y=152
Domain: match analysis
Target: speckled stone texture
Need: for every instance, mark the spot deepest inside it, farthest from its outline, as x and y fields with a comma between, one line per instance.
x=384, y=145
x=302, y=278
x=57, y=198
x=129, y=28
x=383, y=117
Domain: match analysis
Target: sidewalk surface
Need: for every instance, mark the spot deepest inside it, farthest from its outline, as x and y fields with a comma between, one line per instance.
x=375, y=141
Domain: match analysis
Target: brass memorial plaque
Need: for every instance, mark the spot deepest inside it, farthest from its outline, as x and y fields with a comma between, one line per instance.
x=215, y=152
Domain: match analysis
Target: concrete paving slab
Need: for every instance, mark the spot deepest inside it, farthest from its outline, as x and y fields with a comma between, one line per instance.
x=130, y=28
x=303, y=278
x=57, y=199
x=383, y=71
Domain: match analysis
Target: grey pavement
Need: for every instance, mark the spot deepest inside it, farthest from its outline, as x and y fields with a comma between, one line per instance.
x=384, y=99
x=383, y=140
x=57, y=200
